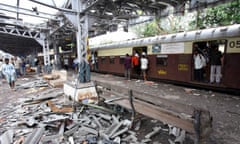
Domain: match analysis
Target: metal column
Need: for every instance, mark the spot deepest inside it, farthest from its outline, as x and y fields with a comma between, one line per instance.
x=82, y=37
x=46, y=55
x=56, y=63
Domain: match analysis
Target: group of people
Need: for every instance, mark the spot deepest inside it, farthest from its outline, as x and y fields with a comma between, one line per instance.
x=137, y=64
x=12, y=68
x=202, y=58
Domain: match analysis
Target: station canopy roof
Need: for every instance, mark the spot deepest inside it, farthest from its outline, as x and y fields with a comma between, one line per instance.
x=18, y=17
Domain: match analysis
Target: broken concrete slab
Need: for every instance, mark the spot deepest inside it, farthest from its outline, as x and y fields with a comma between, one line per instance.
x=155, y=131
x=35, y=136
x=113, y=128
x=61, y=80
x=119, y=132
x=180, y=139
x=89, y=130
x=104, y=116
x=81, y=92
x=54, y=108
x=7, y=137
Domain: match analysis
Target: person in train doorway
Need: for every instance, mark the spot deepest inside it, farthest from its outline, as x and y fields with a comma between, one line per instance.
x=136, y=65
x=9, y=72
x=199, y=64
x=65, y=63
x=216, y=65
x=144, y=65
x=127, y=67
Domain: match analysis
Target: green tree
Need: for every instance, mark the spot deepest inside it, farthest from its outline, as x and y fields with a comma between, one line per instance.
x=147, y=29
x=154, y=27
x=225, y=14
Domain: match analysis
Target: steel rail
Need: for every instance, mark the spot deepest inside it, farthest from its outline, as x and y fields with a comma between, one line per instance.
x=19, y=8
x=28, y=14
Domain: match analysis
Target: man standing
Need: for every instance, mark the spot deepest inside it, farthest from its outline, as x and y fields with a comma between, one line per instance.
x=215, y=60
x=144, y=66
x=127, y=66
x=199, y=63
x=9, y=72
x=136, y=65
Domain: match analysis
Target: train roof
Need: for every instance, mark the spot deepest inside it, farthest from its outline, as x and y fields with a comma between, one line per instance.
x=210, y=33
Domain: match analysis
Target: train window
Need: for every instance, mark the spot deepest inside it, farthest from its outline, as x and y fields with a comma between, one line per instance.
x=112, y=59
x=122, y=59
x=161, y=60
x=103, y=60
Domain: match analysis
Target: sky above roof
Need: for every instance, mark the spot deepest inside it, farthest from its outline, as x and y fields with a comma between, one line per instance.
x=26, y=4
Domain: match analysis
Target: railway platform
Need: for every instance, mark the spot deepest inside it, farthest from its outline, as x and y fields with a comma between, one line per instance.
x=223, y=108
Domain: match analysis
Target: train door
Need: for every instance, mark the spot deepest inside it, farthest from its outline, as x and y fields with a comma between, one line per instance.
x=205, y=49
x=139, y=50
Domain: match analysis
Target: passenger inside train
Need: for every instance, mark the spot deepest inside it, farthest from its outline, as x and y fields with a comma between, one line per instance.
x=212, y=52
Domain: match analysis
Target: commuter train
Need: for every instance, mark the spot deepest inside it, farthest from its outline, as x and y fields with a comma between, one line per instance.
x=171, y=56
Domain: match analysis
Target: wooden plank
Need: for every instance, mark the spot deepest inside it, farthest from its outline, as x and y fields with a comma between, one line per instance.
x=154, y=99
x=157, y=113
x=164, y=103
x=192, y=119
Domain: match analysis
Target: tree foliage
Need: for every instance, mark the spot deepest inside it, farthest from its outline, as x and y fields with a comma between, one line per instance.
x=154, y=28
x=221, y=15
x=224, y=14
x=150, y=29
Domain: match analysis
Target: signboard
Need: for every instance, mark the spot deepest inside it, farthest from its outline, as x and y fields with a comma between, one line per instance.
x=172, y=48
x=156, y=48
x=182, y=67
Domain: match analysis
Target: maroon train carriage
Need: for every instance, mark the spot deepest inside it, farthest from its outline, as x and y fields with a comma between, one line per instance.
x=171, y=56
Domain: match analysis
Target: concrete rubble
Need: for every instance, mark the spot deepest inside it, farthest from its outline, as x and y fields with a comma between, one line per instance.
x=49, y=118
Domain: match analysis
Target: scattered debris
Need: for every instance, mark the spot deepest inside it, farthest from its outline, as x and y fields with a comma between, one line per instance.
x=54, y=108
x=155, y=131
x=235, y=113
x=188, y=90
x=47, y=117
x=58, y=78
x=33, y=84
x=7, y=137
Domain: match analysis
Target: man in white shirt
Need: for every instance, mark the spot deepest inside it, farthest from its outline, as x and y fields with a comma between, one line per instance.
x=17, y=62
x=199, y=63
x=9, y=72
x=144, y=65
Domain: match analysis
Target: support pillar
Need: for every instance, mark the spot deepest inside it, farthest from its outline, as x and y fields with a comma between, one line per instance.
x=56, y=64
x=82, y=41
x=46, y=56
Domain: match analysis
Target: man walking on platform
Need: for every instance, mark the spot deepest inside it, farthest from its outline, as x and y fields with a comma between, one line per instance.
x=9, y=72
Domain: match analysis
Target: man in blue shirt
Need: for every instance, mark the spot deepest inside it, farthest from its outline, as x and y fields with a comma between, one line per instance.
x=9, y=72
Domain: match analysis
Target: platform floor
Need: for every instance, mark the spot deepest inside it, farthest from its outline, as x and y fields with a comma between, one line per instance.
x=224, y=108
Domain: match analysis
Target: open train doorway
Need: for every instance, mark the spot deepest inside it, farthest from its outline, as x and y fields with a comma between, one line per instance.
x=136, y=55
x=208, y=61
x=139, y=50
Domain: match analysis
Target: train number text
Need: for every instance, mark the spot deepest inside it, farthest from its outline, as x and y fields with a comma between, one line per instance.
x=234, y=44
